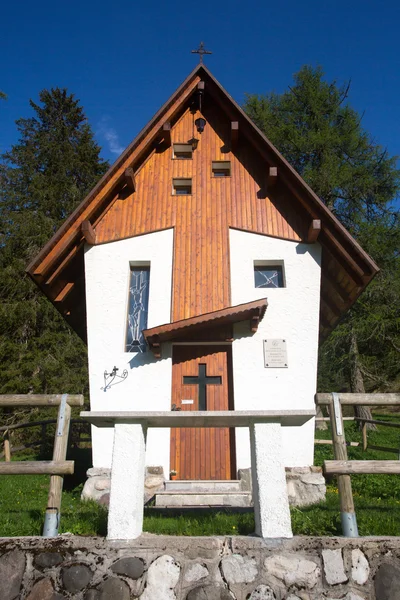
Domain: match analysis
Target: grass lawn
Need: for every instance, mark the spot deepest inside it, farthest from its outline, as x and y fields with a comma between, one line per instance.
x=377, y=498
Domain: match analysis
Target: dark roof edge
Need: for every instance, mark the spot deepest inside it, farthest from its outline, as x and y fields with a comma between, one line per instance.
x=289, y=170
x=107, y=176
x=310, y=193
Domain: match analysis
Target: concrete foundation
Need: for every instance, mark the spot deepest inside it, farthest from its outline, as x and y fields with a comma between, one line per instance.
x=305, y=486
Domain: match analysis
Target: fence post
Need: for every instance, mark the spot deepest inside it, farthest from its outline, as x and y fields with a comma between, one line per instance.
x=365, y=436
x=52, y=516
x=7, y=448
x=347, y=512
x=43, y=432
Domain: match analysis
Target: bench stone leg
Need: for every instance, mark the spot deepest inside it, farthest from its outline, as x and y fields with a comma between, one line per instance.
x=271, y=503
x=125, y=516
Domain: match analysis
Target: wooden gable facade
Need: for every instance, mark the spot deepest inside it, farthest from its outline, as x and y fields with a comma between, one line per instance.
x=260, y=194
x=203, y=179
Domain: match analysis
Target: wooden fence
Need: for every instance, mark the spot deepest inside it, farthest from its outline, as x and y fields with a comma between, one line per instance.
x=341, y=466
x=59, y=466
x=7, y=431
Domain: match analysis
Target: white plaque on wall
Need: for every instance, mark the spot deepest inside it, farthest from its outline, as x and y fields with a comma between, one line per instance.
x=275, y=354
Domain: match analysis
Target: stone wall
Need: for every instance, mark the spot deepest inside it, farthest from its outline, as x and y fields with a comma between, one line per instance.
x=178, y=568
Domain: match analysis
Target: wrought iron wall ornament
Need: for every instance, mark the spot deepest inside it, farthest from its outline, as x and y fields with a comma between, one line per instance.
x=112, y=378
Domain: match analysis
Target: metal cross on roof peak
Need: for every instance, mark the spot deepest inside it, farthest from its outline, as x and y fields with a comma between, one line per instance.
x=201, y=51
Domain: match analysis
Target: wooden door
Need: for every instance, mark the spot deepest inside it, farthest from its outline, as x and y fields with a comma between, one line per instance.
x=202, y=380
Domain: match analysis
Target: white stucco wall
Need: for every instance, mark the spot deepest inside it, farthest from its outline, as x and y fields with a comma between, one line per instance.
x=148, y=385
x=293, y=315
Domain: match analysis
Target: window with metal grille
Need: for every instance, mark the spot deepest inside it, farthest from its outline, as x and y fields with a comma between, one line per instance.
x=269, y=275
x=138, y=308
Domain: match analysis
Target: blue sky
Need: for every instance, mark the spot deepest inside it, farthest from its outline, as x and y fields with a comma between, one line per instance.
x=123, y=59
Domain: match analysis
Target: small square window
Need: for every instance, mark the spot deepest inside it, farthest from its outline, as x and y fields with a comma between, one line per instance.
x=181, y=187
x=182, y=151
x=221, y=168
x=269, y=276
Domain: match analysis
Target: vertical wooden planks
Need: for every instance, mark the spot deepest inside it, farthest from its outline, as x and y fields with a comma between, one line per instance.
x=201, y=254
x=201, y=453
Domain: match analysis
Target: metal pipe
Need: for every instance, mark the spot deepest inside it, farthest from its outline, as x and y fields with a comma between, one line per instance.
x=349, y=524
x=51, y=523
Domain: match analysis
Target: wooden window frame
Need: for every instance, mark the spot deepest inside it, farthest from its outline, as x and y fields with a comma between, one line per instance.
x=278, y=264
x=223, y=167
x=181, y=182
x=141, y=346
x=182, y=147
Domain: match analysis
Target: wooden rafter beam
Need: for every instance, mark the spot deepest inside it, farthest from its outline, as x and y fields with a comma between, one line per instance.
x=64, y=292
x=234, y=134
x=326, y=324
x=88, y=232
x=314, y=231
x=129, y=178
x=101, y=192
x=62, y=265
x=331, y=282
x=312, y=204
x=345, y=260
x=341, y=250
x=328, y=302
x=167, y=134
x=272, y=176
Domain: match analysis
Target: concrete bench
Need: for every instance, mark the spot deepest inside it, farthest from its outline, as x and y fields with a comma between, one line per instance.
x=271, y=505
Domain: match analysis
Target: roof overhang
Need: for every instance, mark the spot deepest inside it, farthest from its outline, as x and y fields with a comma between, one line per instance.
x=195, y=327
x=58, y=269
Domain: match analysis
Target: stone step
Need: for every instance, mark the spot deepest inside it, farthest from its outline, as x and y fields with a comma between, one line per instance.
x=192, y=498
x=213, y=485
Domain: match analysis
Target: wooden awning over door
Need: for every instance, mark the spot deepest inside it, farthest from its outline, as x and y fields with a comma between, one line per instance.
x=196, y=328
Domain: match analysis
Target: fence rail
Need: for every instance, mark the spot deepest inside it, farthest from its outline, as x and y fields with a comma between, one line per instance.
x=10, y=449
x=361, y=399
x=341, y=466
x=59, y=466
x=13, y=400
x=37, y=467
x=364, y=467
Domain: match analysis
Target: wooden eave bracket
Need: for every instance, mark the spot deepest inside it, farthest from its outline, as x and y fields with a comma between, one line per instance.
x=129, y=177
x=234, y=134
x=255, y=320
x=167, y=133
x=155, y=346
x=88, y=232
x=314, y=231
x=272, y=176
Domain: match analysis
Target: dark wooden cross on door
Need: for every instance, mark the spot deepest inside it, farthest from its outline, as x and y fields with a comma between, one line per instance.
x=202, y=380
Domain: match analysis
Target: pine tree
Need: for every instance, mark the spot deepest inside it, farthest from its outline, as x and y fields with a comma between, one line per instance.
x=42, y=179
x=321, y=135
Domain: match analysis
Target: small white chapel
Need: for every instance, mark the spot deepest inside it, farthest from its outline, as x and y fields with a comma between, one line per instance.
x=202, y=272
